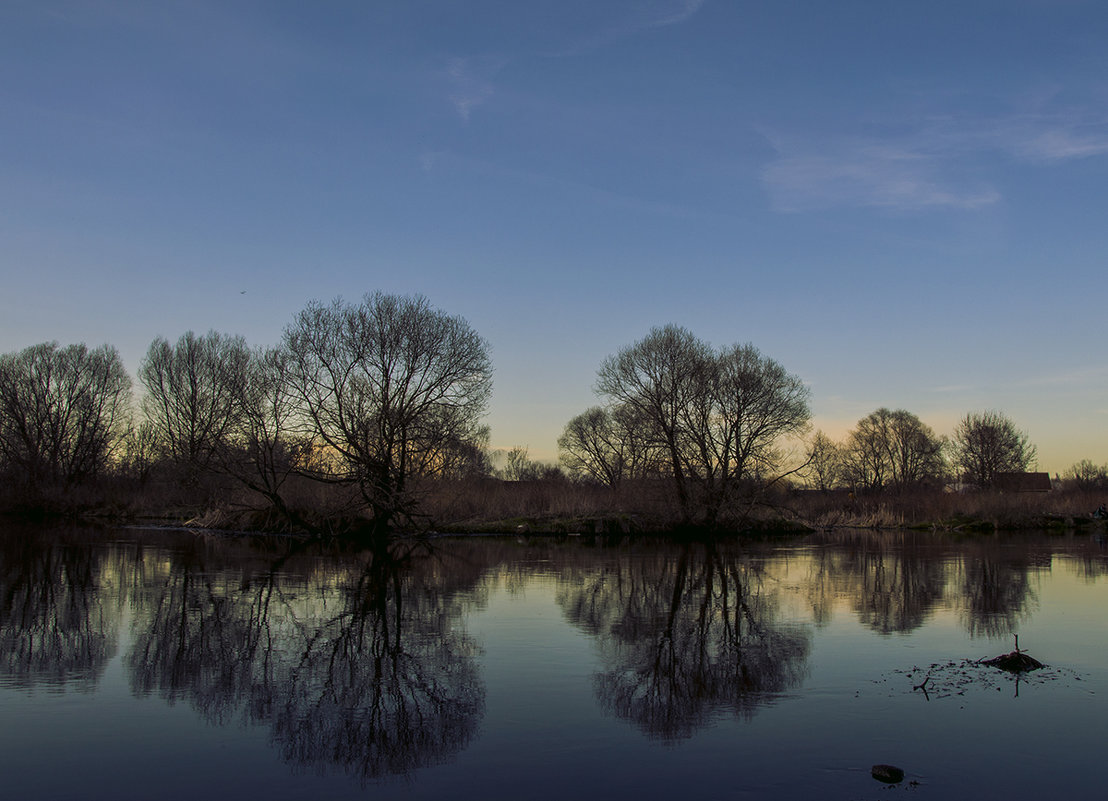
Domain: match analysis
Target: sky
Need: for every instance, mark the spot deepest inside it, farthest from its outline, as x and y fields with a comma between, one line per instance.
x=902, y=202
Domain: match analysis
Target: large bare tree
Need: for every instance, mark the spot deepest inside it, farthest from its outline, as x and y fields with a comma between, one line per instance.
x=661, y=378
x=719, y=415
x=987, y=443
x=389, y=386
x=63, y=410
x=893, y=449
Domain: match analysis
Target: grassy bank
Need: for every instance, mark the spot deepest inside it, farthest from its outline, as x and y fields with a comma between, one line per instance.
x=556, y=507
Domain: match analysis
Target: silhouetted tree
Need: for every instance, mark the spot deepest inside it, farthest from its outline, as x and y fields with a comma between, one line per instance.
x=468, y=458
x=607, y=445
x=717, y=415
x=893, y=449
x=194, y=391
x=263, y=447
x=517, y=465
x=825, y=462
x=988, y=443
x=389, y=386
x=1086, y=475
x=63, y=411
x=661, y=377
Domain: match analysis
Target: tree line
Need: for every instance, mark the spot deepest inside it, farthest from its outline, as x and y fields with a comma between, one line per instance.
x=387, y=395
x=896, y=451
x=372, y=395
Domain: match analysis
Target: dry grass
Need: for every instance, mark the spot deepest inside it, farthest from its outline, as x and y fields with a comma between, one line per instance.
x=556, y=504
x=946, y=510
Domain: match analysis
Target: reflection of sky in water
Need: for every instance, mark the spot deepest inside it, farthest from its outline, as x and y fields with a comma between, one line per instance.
x=543, y=732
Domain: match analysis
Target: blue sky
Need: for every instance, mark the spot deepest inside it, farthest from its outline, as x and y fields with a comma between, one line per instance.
x=902, y=202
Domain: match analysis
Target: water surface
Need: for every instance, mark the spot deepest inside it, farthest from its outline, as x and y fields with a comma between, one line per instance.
x=158, y=664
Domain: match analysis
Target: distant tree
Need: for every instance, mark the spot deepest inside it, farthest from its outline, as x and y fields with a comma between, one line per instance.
x=865, y=458
x=63, y=411
x=138, y=452
x=1086, y=475
x=264, y=445
x=517, y=464
x=589, y=447
x=988, y=443
x=390, y=387
x=607, y=445
x=468, y=458
x=918, y=455
x=716, y=414
x=894, y=449
x=194, y=392
x=825, y=461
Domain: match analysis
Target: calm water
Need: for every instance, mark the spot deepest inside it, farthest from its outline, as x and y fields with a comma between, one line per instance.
x=137, y=665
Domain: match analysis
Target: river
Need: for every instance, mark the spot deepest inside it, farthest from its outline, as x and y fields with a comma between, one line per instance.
x=139, y=664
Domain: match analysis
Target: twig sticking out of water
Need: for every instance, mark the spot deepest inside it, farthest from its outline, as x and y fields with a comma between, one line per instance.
x=923, y=686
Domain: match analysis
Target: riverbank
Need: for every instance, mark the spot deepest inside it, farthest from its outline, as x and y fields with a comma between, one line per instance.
x=556, y=508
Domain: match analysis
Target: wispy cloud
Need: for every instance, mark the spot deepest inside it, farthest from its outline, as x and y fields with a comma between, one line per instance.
x=471, y=82
x=869, y=174
x=428, y=160
x=670, y=13
x=929, y=165
x=471, y=78
x=639, y=16
x=1053, y=138
x=1078, y=377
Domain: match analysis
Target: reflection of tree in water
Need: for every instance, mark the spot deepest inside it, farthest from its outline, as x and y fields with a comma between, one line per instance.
x=895, y=579
x=685, y=636
x=364, y=667
x=56, y=624
x=1091, y=560
x=996, y=589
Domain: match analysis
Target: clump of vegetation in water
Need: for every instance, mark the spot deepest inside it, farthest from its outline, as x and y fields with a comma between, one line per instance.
x=1016, y=661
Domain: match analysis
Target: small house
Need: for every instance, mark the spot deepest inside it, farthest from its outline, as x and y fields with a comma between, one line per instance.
x=1022, y=482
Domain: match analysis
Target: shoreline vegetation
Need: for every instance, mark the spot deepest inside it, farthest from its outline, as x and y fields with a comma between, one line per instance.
x=547, y=507
x=366, y=422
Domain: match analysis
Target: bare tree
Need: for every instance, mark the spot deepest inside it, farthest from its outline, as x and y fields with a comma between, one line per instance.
x=893, y=449
x=193, y=393
x=608, y=445
x=718, y=415
x=756, y=403
x=63, y=411
x=661, y=378
x=1087, y=475
x=825, y=461
x=468, y=458
x=389, y=386
x=988, y=443
x=263, y=447
x=517, y=464
x=138, y=452
x=865, y=457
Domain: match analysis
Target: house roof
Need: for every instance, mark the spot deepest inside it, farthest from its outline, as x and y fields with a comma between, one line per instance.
x=1022, y=482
